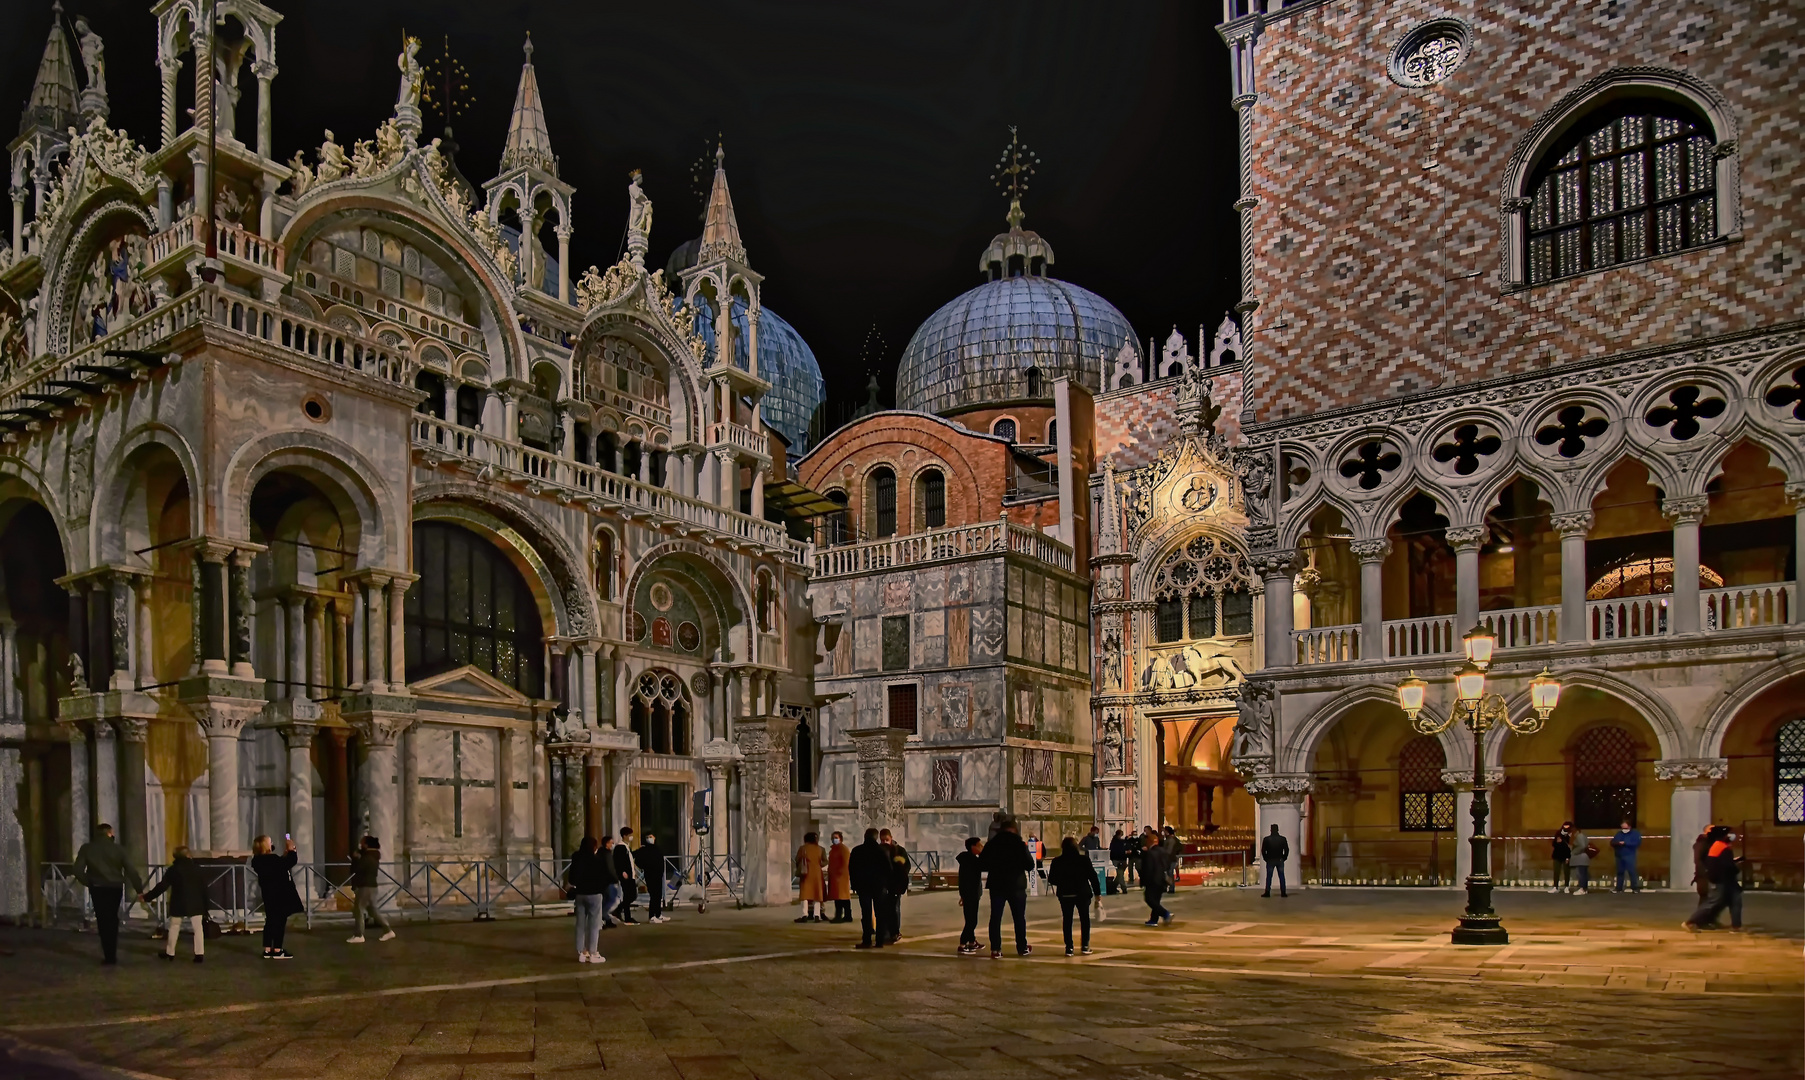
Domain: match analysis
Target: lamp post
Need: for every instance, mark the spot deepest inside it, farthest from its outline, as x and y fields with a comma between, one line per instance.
x=1480, y=712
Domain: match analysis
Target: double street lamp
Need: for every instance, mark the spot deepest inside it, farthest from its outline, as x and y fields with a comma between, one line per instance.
x=1480, y=712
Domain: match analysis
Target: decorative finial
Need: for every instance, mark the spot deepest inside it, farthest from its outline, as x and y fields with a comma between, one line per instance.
x=719, y=154
x=1013, y=170
x=446, y=88
x=528, y=47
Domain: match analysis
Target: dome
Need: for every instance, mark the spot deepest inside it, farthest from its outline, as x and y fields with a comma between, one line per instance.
x=785, y=361
x=977, y=350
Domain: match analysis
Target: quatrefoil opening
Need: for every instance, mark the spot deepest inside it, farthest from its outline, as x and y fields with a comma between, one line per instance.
x=1370, y=463
x=1467, y=446
x=1790, y=393
x=1571, y=430
x=1686, y=406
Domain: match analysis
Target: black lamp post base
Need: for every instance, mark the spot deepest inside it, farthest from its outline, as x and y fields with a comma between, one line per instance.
x=1480, y=930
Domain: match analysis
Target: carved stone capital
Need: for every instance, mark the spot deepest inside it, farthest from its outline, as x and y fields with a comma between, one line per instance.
x=1468, y=537
x=1724, y=149
x=1685, y=509
x=1279, y=789
x=879, y=744
x=1692, y=769
x=1795, y=494
x=299, y=736
x=1271, y=565
x=1578, y=523
x=1370, y=550
x=132, y=728
x=1462, y=779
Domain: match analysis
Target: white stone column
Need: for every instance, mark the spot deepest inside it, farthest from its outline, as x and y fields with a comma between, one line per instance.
x=294, y=646
x=106, y=774
x=504, y=789
x=358, y=675
x=266, y=74
x=717, y=798
x=172, y=69
x=1275, y=569
x=563, y=232
x=9, y=671
x=1279, y=801
x=1691, y=811
x=728, y=470
x=18, y=194
x=1573, y=529
x=584, y=695
x=1372, y=555
x=758, y=492
x=81, y=825
x=1796, y=492
x=376, y=678
x=221, y=723
x=765, y=807
x=1466, y=541
x=299, y=739
x=397, y=636
x=1685, y=512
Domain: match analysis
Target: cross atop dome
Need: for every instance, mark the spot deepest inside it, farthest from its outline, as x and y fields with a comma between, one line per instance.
x=1018, y=252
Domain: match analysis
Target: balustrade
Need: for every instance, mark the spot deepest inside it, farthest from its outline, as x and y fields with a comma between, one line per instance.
x=1516, y=628
x=1327, y=644
x=1627, y=617
x=950, y=543
x=724, y=433
x=1433, y=635
x=1746, y=605
x=245, y=246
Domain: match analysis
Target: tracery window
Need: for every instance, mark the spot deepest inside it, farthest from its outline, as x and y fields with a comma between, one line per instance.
x=1203, y=590
x=1604, y=778
x=471, y=606
x=1425, y=801
x=660, y=713
x=1789, y=774
x=1638, y=180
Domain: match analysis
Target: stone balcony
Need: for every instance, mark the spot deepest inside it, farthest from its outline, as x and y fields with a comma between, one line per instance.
x=940, y=545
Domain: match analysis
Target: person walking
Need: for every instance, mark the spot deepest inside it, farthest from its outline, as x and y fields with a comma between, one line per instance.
x=1725, y=872
x=187, y=900
x=1563, y=858
x=1008, y=862
x=280, y=897
x=899, y=882
x=1624, y=846
x=1153, y=879
x=366, y=872
x=587, y=878
x=1701, y=874
x=1173, y=848
x=623, y=873
x=1582, y=862
x=839, y=879
x=971, y=892
x=869, y=869
x=1275, y=851
x=611, y=895
x=1075, y=883
x=103, y=867
x=1118, y=858
x=811, y=876
x=650, y=858
x=1093, y=840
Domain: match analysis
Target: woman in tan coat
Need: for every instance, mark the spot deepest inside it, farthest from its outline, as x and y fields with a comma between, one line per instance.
x=811, y=871
x=839, y=879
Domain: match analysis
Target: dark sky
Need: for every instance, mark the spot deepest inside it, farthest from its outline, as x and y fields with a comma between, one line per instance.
x=860, y=139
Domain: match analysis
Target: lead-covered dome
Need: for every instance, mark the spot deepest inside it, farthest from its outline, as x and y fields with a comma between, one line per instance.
x=979, y=349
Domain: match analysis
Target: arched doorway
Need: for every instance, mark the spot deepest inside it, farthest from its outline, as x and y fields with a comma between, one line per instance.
x=1762, y=794
x=35, y=650
x=1380, y=812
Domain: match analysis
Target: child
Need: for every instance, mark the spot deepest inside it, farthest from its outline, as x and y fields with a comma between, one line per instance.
x=971, y=893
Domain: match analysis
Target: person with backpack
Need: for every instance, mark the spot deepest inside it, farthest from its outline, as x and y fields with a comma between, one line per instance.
x=187, y=900
x=1075, y=883
x=971, y=892
x=587, y=879
x=623, y=872
x=1583, y=851
x=1725, y=872
x=366, y=874
x=1274, y=851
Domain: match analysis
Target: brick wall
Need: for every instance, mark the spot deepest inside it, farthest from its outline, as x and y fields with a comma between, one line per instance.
x=1378, y=238
x=1135, y=422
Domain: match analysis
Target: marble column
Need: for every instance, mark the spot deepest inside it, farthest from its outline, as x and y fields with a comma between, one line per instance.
x=134, y=832
x=379, y=778
x=880, y=781
x=294, y=659
x=299, y=740
x=1686, y=512
x=335, y=849
x=717, y=802
x=171, y=68
x=221, y=723
x=764, y=746
x=1466, y=540
x=1280, y=801
x=15, y=857
x=242, y=607
x=81, y=825
x=397, y=633
x=11, y=700
x=266, y=75
x=314, y=672
x=1372, y=555
x=1573, y=529
x=106, y=775
x=1796, y=493
x=1461, y=780
x=1692, y=781
x=563, y=232
x=728, y=471
x=1275, y=569
x=376, y=675
x=571, y=761
x=117, y=590
x=504, y=788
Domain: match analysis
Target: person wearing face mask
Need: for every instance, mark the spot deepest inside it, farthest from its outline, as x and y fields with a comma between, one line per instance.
x=1725, y=871
x=839, y=879
x=811, y=872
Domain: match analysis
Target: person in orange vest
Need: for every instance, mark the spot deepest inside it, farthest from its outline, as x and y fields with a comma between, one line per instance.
x=1725, y=871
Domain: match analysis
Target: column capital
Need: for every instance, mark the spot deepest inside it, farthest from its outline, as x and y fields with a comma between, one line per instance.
x=1272, y=565
x=132, y=729
x=1279, y=789
x=1795, y=494
x=1577, y=523
x=1370, y=550
x=1462, y=779
x=879, y=743
x=1467, y=537
x=380, y=727
x=1704, y=771
x=219, y=549
x=1685, y=509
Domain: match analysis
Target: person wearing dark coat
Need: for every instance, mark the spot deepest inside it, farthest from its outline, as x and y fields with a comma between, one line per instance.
x=1725, y=871
x=650, y=858
x=971, y=891
x=1075, y=883
x=1274, y=850
x=280, y=897
x=899, y=882
x=1701, y=874
x=187, y=900
x=1007, y=861
x=1118, y=858
x=869, y=866
x=588, y=881
x=366, y=875
x=1153, y=878
x=623, y=870
x=103, y=866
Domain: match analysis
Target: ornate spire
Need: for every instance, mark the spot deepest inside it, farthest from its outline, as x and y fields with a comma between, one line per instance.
x=53, y=101
x=1018, y=251
x=529, y=144
x=1109, y=528
x=1013, y=170
x=720, y=229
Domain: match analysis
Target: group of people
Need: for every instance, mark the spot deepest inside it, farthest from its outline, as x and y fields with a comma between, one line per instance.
x=602, y=883
x=1574, y=852
x=825, y=874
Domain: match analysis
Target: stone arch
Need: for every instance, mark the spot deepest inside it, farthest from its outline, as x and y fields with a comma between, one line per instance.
x=733, y=601
x=1670, y=733
x=548, y=596
x=1661, y=474
x=20, y=482
x=1617, y=84
x=1723, y=709
x=114, y=482
x=682, y=370
x=110, y=210
x=349, y=480
x=1298, y=748
x=562, y=567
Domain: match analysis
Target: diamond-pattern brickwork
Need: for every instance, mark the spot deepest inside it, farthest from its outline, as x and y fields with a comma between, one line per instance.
x=1378, y=237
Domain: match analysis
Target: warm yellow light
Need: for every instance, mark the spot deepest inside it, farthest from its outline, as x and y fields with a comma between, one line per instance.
x=1469, y=683
x=1480, y=642
x=1410, y=694
x=1544, y=693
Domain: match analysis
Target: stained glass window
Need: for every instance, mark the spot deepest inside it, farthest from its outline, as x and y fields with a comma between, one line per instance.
x=1425, y=801
x=1638, y=182
x=1604, y=778
x=471, y=606
x=1789, y=774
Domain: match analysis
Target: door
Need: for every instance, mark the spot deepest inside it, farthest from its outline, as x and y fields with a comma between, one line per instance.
x=661, y=814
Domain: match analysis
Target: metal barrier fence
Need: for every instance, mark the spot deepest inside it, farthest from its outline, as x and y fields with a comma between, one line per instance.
x=696, y=878
x=1382, y=856
x=1221, y=869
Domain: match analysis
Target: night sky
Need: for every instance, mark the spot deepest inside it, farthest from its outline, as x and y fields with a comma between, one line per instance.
x=860, y=140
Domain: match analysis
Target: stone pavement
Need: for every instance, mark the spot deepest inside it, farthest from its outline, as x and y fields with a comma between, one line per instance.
x=1341, y=984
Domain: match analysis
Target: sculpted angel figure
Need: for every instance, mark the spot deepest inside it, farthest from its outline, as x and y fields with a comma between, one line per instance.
x=300, y=175
x=333, y=163
x=412, y=74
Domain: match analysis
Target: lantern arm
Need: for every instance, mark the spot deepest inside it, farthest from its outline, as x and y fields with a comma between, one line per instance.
x=1425, y=722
